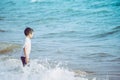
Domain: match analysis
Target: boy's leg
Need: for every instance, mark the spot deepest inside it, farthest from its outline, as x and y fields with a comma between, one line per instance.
x=23, y=61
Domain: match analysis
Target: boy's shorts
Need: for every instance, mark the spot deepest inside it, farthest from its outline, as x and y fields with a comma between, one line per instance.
x=23, y=61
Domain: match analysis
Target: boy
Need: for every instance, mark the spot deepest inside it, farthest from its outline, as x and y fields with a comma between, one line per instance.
x=27, y=46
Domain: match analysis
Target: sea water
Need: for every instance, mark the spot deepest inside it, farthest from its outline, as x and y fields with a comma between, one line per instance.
x=81, y=36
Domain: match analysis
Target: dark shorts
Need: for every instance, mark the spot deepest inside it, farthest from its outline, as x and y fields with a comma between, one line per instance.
x=23, y=61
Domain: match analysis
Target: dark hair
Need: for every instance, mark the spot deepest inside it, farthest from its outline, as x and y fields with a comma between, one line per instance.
x=28, y=30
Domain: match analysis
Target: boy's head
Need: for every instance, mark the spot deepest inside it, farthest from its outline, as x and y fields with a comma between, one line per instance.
x=28, y=32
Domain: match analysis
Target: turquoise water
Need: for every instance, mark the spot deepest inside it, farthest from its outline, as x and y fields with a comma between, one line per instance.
x=84, y=34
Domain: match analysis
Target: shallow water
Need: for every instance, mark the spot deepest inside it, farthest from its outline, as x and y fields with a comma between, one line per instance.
x=83, y=35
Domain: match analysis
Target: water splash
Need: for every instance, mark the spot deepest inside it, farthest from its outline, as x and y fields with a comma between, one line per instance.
x=37, y=70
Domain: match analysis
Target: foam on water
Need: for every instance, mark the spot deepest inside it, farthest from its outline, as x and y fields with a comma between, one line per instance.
x=38, y=70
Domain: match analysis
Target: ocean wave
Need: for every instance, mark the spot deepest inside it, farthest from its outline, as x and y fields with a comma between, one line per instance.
x=113, y=32
x=116, y=28
x=101, y=4
x=102, y=11
x=11, y=3
x=99, y=57
x=115, y=60
x=34, y=1
x=2, y=30
x=62, y=34
x=8, y=47
x=96, y=55
x=38, y=70
x=117, y=4
x=2, y=18
x=41, y=1
x=6, y=5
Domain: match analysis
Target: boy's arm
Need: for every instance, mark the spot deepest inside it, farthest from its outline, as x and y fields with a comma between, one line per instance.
x=26, y=56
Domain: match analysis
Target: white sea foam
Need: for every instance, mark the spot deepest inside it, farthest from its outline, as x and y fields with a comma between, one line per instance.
x=12, y=69
x=37, y=1
x=33, y=1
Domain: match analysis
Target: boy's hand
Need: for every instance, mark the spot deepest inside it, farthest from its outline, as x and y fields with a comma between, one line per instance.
x=26, y=60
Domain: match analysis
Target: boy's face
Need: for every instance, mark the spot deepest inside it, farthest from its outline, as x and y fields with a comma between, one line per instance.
x=31, y=35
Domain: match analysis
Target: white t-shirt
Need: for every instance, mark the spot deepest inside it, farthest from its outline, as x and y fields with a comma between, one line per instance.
x=27, y=44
